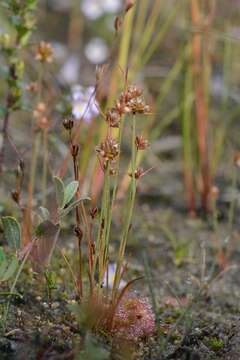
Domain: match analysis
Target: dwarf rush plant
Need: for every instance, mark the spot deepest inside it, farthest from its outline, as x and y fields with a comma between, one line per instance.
x=129, y=105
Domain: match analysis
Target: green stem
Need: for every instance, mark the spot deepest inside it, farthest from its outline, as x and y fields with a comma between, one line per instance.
x=45, y=167
x=233, y=200
x=101, y=245
x=130, y=207
x=114, y=192
x=35, y=151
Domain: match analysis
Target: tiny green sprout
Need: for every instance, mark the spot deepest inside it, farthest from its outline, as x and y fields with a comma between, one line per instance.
x=51, y=282
x=51, y=279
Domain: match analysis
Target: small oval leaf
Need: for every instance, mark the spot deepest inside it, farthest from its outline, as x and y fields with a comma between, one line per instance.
x=10, y=271
x=60, y=190
x=45, y=215
x=12, y=231
x=70, y=191
x=47, y=235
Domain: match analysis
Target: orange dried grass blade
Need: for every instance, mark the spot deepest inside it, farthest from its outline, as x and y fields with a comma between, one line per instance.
x=200, y=93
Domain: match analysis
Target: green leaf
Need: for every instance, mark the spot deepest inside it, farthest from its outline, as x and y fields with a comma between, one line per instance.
x=31, y=4
x=3, y=268
x=47, y=234
x=93, y=350
x=70, y=191
x=12, y=231
x=10, y=271
x=60, y=190
x=72, y=206
x=181, y=253
x=25, y=37
x=3, y=111
x=45, y=215
x=2, y=255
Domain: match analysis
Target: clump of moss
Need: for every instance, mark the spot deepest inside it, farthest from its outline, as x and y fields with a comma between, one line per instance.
x=214, y=343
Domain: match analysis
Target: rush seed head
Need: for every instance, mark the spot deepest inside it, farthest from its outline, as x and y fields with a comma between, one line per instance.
x=113, y=118
x=32, y=87
x=237, y=159
x=214, y=191
x=41, y=115
x=39, y=110
x=141, y=143
x=138, y=106
x=133, y=101
x=108, y=150
x=68, y=123
x=44, y=52
x=93, y=212
x=139, y=172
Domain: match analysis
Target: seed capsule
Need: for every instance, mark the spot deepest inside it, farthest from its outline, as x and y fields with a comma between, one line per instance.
x=68, y=123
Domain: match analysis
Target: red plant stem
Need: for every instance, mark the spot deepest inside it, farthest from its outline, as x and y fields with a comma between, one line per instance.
x=78, y=229
x=5, y=135
x=201, y=105
x=190, y=195
x=90, y=248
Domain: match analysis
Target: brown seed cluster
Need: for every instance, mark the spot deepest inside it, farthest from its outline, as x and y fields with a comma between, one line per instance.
x=113, y=118
x=131, y=101
x=141, y=143
x=108, y=149
x=40, y=113
x=32, y=87
x=68, y=123
x=139, y=172
x=108, y=152
x=44, y=52
x=237, y=159
x=134, y=101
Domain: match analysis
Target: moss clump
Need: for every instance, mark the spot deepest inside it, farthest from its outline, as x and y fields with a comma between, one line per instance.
x=215, y=343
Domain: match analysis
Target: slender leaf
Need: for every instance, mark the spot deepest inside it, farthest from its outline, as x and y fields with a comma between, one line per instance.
x=72, y=206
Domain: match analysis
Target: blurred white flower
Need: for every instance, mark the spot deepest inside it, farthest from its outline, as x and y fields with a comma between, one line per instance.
x=111, y=274
x=111, y=6
x=84, y=103
x=69, y=72
x=96, y=51
x=92, y=9
x=60, y=51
